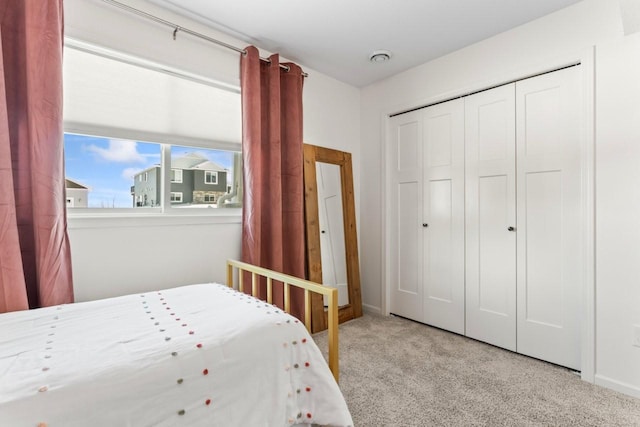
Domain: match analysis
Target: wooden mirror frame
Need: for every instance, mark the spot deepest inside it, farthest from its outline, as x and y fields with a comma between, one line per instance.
x=353, y=309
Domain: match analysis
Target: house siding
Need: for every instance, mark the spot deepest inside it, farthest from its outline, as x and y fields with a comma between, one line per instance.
x=200, y=185
x=149, y=188
x=185, y=187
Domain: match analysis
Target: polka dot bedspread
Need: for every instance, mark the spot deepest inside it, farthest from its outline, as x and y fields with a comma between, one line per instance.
x=200, y=355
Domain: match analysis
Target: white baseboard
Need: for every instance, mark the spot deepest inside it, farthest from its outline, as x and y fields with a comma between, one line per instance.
x=617, y=386
x=371, y=309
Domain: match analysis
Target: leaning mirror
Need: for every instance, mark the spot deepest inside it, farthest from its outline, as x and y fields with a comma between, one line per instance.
x=332, y=243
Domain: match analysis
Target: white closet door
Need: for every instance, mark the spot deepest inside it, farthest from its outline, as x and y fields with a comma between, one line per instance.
x=490, y=193
x=549, y=206
x=405, y=215
x=443, y=215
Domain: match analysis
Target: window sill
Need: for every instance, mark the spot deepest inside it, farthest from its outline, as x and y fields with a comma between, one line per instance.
x=81, y=220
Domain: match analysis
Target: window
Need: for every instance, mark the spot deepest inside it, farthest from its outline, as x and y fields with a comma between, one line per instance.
x=210, y=177
x=176, y=175
x=118, y=173
x=125, y=157
x=115, y=173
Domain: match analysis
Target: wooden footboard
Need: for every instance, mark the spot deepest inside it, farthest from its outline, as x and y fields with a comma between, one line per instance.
x=309, y=288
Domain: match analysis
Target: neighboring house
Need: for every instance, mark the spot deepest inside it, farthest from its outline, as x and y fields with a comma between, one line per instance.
x=195, y=180
x=77, y=194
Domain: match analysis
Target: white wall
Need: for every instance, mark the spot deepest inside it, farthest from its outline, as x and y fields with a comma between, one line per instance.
x=618, y=214
x=123, y=256
x=113, y=257
x=539, y=45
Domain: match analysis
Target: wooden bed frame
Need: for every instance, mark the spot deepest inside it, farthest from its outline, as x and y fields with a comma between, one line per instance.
x=309, y=289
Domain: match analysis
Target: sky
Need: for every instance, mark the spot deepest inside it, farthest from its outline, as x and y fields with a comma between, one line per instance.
x=107, y=166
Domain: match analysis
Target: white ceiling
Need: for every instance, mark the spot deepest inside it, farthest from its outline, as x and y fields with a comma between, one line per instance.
x=336, y=37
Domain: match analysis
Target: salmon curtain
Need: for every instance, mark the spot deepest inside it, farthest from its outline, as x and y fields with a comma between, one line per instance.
x=273, y=208
x=35, y=265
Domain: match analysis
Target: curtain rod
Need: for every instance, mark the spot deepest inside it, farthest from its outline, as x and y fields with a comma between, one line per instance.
x=177, y=28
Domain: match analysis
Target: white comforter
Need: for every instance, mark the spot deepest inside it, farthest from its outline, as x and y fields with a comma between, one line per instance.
x=200, y=355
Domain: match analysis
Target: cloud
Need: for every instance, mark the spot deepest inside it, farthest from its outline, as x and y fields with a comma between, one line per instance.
x=120, y=151
x=129, y=173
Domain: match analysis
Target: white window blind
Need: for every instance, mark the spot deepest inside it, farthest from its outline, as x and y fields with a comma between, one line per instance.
x=134, y=101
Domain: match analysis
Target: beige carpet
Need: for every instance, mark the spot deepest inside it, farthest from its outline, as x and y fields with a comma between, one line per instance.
x=395, y=372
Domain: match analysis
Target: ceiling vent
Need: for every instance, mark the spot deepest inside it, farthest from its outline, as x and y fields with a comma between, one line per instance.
x=380, y=56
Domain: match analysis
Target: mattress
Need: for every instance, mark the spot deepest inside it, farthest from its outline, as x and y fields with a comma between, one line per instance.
x=200, y=355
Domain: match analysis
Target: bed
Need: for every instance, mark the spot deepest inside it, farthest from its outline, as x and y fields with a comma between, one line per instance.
x=199, y=355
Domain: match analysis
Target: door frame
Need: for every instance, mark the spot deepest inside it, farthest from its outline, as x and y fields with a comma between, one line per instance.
x=586, y=59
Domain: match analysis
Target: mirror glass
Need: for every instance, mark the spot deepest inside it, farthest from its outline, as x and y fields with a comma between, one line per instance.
x=330, y=228
x=330, y=220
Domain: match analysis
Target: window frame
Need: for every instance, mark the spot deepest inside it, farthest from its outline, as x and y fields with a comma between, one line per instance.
x=164, y=209
x=212, y=174
x=176, y=181
x=176, y=193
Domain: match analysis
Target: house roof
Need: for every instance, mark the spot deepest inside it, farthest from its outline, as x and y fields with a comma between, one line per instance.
x=195, y=161
x=70, y=183
x=190, y=161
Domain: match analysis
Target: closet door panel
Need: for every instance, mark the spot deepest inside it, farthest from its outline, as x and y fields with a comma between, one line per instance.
x=550, y=231
x=405, y=151
x=443, y=215
x=543, y=259
x=490, y=186
x=440, y=242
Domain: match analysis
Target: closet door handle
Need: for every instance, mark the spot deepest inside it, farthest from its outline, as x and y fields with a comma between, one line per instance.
x=511, y=229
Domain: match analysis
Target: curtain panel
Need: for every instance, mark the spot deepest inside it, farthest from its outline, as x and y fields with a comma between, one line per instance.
x=35, y=262
x=273, y=201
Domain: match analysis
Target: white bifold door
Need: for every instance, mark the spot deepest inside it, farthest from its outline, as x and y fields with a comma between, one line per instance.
x=523, y=217
x=485, y=213
x=405, y=215
x=443, y=215
x=427, y=215
x=550, y=222
x=490, y=193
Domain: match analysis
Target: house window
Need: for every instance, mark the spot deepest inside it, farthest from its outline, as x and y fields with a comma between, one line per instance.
x=176, y=197
x=209, y=198
x=176, y=175
x=210, y=177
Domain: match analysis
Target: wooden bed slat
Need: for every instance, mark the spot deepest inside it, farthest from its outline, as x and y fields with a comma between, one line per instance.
x=287, y=298
x=229, y=273
x=309, y=289
x=254, y=285
x=269, y=290
x=307, y=309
